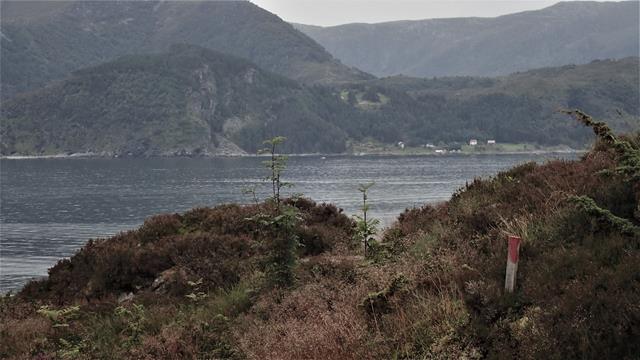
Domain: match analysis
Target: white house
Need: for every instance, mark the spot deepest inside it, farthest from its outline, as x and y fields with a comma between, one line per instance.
x=473, y=142
x=491, y=142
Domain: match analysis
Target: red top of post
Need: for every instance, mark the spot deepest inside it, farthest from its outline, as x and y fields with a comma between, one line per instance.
x=514, y=248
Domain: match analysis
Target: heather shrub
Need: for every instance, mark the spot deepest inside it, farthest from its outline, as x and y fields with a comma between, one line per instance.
x=157, y=227
x=580, y=283
x=325, y=214
x=24, y=335
x=426, y=242
x=577, y=278
x=415, y=220
x=316, y=320
x=434, y=329
x=325, y=228
x=228, y=219
x=378, y=303
x=220, y=261
x=316, y=239
x=342, y=269
x=219, y=245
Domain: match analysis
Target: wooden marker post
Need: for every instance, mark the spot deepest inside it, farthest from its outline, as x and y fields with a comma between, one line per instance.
x=512, y=263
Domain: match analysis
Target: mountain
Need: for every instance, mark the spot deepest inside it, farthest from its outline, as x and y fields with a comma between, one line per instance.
x=521, y=107
x=188, y=101
x=567, y=33
x=42, y=40
x=194, y=101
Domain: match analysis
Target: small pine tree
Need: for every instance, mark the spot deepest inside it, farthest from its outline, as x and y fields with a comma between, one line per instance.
x=281, y=223
x=276, y=165
x=366, y=228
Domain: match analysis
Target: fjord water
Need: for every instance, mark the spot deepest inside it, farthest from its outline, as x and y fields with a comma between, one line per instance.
x=51, y=207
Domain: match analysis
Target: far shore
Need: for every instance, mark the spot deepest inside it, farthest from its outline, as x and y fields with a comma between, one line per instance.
x=372, y=153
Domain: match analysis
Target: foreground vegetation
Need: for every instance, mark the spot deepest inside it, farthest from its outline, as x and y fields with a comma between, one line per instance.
x=201, y=284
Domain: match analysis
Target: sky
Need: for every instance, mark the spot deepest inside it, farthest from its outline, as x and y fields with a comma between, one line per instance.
x=335, y=12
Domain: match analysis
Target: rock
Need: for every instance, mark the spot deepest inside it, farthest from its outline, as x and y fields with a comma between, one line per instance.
x=124, y=297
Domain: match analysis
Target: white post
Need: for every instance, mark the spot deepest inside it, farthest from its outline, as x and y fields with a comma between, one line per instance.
x=512, y=263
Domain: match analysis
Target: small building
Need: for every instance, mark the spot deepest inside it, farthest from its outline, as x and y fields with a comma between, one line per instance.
x=440, y=151
x=400, y=144
x=429, y=146
x=491, y=142
x=473, y=142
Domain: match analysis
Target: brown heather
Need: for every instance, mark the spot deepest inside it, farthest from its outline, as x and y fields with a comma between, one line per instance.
x=433, y=290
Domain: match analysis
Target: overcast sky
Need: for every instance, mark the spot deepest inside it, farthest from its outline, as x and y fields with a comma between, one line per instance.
x=335, y=12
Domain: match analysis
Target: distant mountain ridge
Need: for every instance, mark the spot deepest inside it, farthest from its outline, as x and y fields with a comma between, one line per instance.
x=43, y=41
x=566, y=33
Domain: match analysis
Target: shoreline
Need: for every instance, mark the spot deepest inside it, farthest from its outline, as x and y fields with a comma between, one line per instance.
x=403, y=154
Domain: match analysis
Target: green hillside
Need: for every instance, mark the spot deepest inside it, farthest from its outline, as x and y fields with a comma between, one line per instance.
x=42, y=40
x=521, y=107
x=189, y=101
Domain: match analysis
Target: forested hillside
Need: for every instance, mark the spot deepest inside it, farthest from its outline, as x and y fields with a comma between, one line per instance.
x=575, y=32
x=44, y=40
x=192, y=101
x=521, y=107
x=189, y=101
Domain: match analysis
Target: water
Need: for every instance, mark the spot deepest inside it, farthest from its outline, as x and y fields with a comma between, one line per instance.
x=50, y=207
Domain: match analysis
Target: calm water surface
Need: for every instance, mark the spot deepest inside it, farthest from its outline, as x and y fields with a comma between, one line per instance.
x=50, y=207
